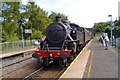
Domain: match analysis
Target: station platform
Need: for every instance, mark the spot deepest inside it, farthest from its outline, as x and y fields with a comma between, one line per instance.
x=12, y=52
x=94, y=62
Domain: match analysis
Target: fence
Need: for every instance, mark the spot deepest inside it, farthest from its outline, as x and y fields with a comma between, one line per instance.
x=15, y=45
x=118, y=43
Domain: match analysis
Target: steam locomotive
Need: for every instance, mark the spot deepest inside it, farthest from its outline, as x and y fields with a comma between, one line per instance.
x=63, y=42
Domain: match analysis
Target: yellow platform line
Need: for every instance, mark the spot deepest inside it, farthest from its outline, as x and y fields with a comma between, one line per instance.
x=90, y=66
x=76, y=59
x=15, y=53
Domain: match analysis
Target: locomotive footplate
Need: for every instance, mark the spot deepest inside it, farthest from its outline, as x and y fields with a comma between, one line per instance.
x=53, y=53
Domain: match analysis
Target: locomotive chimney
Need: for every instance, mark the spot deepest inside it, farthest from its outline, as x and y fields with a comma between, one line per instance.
x=58, y=19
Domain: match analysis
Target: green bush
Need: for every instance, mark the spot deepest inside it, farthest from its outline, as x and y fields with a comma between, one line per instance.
x=117, y=31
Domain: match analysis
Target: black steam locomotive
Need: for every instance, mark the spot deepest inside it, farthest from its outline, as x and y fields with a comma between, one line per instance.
x=63, y=42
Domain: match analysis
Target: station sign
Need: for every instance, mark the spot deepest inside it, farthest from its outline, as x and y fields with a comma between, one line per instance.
x=28, y=31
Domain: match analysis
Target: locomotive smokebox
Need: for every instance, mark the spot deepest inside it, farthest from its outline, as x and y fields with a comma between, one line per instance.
x=58, y=19
x=56, y=32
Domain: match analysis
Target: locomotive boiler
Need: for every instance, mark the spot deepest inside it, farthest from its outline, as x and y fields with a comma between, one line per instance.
x=63, y=42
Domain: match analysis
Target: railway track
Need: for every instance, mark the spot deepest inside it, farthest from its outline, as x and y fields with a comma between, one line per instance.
x=27, y=68
x=32, y=70
x=17, y=62
x=15, y=71
x=29, y=65
x=52, y=70
x=14, y=65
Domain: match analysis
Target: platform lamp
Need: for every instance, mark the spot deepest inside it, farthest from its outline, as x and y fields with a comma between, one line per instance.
x=111, y=29
x=21, y=27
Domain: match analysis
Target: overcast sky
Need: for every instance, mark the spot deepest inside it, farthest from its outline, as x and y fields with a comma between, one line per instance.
x=82, y=12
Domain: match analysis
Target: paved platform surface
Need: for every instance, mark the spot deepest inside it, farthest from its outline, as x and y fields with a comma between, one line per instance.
x=77, y=67
x=102, y=63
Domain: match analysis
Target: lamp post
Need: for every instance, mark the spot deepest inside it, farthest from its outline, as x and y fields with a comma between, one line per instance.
x=21, y=27
x=111, y=29
x=22, y=36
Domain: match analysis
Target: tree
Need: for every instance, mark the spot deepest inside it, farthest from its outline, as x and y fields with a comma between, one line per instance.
x=117, y=29
x=100, y=27
x=38, y=19
x=105, y=27
x=10, y=15
x=29, y=16
x=54, y=14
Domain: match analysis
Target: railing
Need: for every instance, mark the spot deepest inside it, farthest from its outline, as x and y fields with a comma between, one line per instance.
x=118, y=43
x=14, y=45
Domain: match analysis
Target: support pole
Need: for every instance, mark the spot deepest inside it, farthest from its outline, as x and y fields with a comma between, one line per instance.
x=111, y=39
x=22, y=36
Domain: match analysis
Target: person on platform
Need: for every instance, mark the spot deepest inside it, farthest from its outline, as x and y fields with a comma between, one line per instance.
x=106, y=41
x=103, y=38
x=41, y=42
